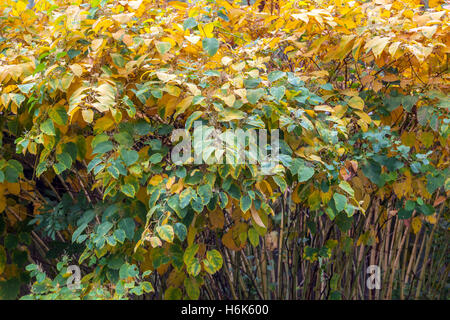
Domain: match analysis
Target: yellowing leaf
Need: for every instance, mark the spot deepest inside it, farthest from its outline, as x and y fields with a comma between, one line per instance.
x=165, y=232
x=76, y=69
x=356, y=103
x=103, y=124
x=163, y=47
x=256, y=217
x=377, y=45
x=183, y=106
x=416, y=224
x=88, y=115
x=155, y=180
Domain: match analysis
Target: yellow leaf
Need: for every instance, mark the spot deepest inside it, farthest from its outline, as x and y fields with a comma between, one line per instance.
x=2, y=203
x=206, y=30
x=356, y=103
x=229, y=100
x=13, y=188
x=123, y=17
x=295, y=197
x=76, y=69
x=155, y=180
x=193, y=89
x=238, y=66
x=323, y=107
x=183, y=105
x=364, y=116
x=416, y=224
x=408, y=14
x=408, y=138
x=226, y=61
x=377, y=45
x=165, y=77
x=431, y=219
x=339, y=111
x=21, y=6
x=393, y=48
x=103, y=124
x=256, y=217
x=88, y=115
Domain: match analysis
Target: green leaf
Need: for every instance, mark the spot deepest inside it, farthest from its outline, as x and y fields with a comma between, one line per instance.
x=128, y=226
x=340, y=201
x=223, y=200
x=174, y=203
x=114, y=171
x=305, y=173
x=9, y=289
x=18, y=98
x=253, y=236
x=165, y=232
x=426, y=209
x=189, y=253
x=215, y=258
x=194, y=268
x=251, y=83
x=276, y=75
x=189, y=23
x=253, y=95
x=185, y=197
x=147, y=287
x=245, y=203
x=129, y=156
x=210, y=45
x=103, y=147
x=330, y=213
x=128, y=190
x=404, y=214
x=205, y=193
x=278, y=92
x=11, y=174
x=40, y=169
x=59, y=167
x=163, y=47
x=194, y=116
x=372, y=170
x=25, y=88
x=180, y=231
x=120, y=235
x=231, y=114
x=58, y=115
x=343, y=222
x=65, y=159
x=192, y=288
x=104, y=228
x=172, y=293
x=280, y=182
x=155, y=158
x=78, y=231
x=48, y=128
x=118, y=60
x=344, y=185
x=208, y=267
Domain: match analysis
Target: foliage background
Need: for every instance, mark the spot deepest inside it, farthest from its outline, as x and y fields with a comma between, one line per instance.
x=91, y=90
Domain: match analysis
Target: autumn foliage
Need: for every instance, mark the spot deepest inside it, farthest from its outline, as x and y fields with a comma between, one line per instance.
x=91, y=91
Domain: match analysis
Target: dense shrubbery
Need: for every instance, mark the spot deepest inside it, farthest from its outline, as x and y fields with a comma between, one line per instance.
x=91, y=92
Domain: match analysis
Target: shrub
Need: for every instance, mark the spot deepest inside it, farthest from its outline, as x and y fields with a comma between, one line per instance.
x=91, y=94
